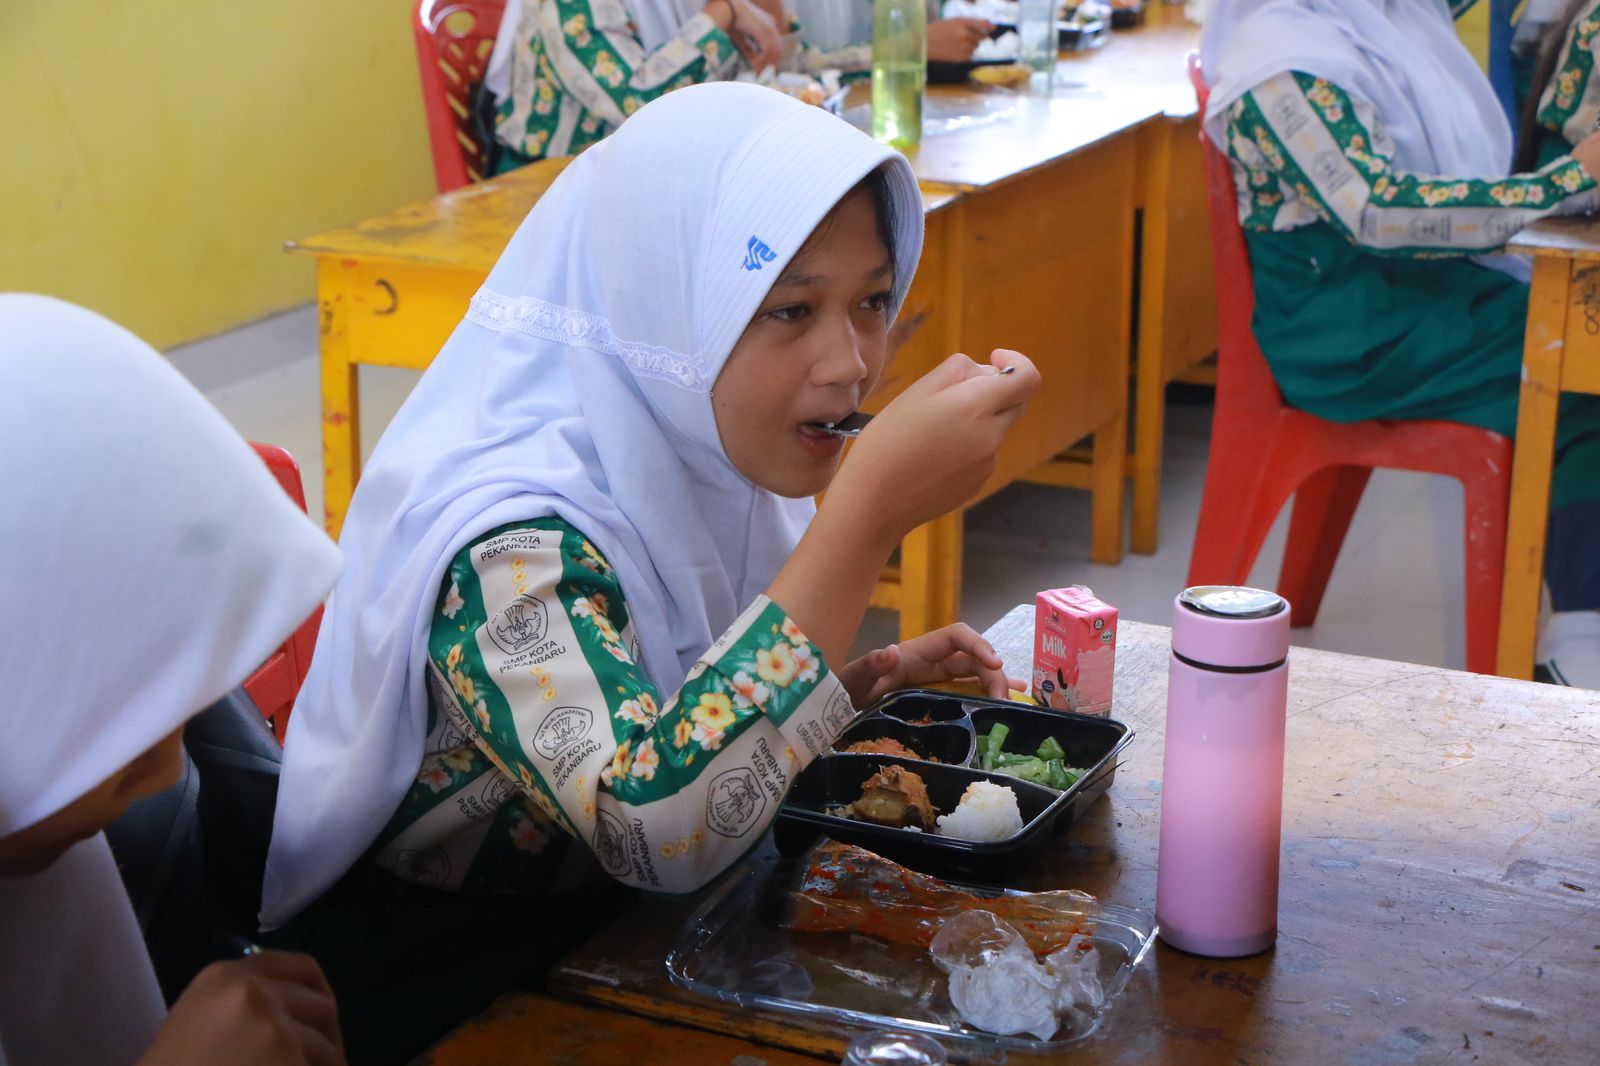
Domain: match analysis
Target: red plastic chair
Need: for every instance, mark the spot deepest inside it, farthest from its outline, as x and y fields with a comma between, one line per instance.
x=1263, y=450
x=454, y=40
x=274, y=686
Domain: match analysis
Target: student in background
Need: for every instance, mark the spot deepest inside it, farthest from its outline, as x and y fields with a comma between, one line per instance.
x=149, y=564
x=1563, y=103
x=565, y=75
x=1371, y=158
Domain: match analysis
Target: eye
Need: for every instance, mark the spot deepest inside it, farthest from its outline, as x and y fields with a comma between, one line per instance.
x=788, y=313
x=878, y=302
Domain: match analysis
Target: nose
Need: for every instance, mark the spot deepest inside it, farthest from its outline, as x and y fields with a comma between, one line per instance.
x=842, y=356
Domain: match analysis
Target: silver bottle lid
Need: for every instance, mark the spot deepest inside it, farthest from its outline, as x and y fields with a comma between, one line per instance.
x=1232, y=601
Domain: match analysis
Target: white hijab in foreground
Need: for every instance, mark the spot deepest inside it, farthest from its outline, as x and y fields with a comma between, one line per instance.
x=578, y=386
x=149, y=563
x=1401, y=56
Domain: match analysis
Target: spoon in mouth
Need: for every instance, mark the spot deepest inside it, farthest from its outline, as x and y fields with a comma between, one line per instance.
x=851, y=425
x=848, y=426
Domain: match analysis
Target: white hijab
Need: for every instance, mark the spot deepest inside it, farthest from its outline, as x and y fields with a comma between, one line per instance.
x=1401, y=56
x=578, y=386
x=148, y=562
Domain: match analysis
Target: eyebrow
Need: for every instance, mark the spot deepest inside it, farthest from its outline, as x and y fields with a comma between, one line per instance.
x=790, y=277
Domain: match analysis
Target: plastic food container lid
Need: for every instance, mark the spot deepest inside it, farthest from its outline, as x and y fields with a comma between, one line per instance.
x=1230, y=626
x=894, y=1049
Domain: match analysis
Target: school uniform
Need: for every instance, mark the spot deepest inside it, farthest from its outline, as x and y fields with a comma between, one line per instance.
x=1370, y=158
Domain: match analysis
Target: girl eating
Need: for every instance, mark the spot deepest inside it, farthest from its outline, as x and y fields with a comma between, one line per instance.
x=592, y=617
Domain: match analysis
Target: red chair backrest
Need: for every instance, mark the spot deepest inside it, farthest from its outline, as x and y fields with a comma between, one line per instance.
x=1243, y=377
x=275, y=684
x=454, y=40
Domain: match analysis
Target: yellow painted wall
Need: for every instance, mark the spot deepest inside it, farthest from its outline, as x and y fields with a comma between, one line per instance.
x=157, y=153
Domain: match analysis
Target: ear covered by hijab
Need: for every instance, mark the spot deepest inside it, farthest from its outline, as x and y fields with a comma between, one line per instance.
x=578, y=386
x=148, y=564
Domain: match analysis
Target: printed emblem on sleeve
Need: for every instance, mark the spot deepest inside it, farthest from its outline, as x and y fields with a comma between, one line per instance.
x=1288, y=116
x=562, y=728
x=734, y=802
x=839, y=711
x=429, y=867
x=611, y=843
x=1330, y=170
x=520, y=626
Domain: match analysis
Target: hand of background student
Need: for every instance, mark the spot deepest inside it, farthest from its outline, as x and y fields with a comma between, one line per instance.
x=953, y=653
x=753, y=31
x=1587, y=152
x=934, y=445
x=272, y=1008
x=954, y=40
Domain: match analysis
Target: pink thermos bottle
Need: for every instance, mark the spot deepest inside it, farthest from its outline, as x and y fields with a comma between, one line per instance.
x=1222, y=783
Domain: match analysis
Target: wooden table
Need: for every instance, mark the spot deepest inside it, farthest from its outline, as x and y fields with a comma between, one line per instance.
x=1440, y=895
x=1561, y=353
x=1177, y=309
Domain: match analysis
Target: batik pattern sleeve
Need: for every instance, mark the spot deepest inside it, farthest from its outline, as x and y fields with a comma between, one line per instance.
x=1303, y=150
x=1570, y=103
x=668, y=790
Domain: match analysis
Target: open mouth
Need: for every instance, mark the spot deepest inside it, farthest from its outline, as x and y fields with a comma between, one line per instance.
x=848, y=426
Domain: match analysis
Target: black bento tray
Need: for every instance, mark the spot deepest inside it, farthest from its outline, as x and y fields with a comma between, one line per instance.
x=1070, y=36
x=835, y=779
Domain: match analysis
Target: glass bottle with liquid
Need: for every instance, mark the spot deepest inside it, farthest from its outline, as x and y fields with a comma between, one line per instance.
x=1036, y=29
x=899, y=71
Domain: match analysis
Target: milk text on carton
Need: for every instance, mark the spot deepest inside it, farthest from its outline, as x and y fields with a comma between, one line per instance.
x=1074, y=650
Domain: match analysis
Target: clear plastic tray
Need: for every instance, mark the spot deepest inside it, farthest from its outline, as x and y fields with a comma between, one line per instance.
x=734, y=950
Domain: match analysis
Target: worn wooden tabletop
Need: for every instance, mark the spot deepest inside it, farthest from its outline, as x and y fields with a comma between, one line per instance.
x=1440, y=882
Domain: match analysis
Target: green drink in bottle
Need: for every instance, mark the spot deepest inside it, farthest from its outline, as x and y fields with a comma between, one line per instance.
x=899, y=71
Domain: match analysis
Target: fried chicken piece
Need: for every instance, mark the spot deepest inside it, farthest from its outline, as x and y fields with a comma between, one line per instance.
x=894, y=796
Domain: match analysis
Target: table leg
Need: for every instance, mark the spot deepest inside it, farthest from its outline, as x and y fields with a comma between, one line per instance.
x=1529, y=508
x=930, y=576
x=1108, y=490
x=341, y=398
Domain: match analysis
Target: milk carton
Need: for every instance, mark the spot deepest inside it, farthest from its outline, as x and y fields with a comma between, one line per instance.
x=1074, y=649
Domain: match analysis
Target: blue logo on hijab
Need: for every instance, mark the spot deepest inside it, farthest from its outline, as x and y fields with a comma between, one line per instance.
x=756, y=253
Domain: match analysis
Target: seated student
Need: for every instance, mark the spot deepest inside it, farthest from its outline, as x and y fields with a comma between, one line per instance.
x=564, y=75
x=150, y=564
x=1371, y=159
x=591, y=614
x=842, y=31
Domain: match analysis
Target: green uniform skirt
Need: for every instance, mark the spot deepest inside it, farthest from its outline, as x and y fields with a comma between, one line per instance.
x=1351, y=335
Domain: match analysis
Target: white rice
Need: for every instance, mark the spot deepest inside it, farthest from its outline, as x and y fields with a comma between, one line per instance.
x=987, y=812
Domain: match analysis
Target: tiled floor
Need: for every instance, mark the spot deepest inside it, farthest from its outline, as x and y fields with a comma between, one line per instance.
x=1396, y=592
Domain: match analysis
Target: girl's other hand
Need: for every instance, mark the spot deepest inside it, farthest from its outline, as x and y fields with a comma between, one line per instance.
x=934, y=445
x=272, y=1008
x=954, y=653
x=954, y=40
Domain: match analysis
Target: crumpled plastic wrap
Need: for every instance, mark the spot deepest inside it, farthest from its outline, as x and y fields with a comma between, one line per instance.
x=998, y=985
x=846, y=889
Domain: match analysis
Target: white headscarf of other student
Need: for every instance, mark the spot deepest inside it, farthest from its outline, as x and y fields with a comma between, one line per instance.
x=578, y=386
x=149, y=563
x=1401, y=56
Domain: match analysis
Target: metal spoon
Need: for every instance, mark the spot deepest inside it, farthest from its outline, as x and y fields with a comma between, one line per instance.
x=851, y=425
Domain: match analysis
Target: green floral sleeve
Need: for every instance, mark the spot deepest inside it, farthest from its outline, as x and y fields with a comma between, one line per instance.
x=1303, y=150
x=1570, y=103
x=534, y=661
x=610, y=71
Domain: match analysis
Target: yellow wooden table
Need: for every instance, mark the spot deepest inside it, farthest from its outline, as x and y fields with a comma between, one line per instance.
x=1437, y=899
x=1561, y=353
x=1177, y=316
